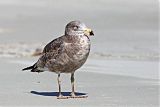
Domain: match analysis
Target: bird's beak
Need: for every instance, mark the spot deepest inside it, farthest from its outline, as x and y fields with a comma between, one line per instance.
x=88, y=32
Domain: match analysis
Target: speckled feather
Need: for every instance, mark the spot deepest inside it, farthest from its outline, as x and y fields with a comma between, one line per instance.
x=66, y=53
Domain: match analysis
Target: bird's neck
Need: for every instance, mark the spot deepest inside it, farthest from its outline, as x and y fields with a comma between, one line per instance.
x=78, y=38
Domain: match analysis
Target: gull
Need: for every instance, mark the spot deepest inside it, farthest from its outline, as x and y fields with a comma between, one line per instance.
x=65, y=54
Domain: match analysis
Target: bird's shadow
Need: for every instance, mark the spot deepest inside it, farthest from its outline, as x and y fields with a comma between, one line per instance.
x=56, y=93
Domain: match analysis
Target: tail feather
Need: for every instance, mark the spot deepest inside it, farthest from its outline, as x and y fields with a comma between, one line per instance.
x=33, y=68
x=28, y=68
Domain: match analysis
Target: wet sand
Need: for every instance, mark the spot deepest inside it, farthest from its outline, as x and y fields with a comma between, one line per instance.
x=129, y=88
x=122, y=69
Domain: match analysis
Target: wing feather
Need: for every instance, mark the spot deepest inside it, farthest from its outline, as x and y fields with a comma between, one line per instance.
x=50, y=51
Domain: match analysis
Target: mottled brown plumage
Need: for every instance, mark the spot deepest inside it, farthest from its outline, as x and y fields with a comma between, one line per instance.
x=67, y=53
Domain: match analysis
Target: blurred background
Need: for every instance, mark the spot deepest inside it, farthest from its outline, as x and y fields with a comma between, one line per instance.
x=123, y=28
x=123, y=66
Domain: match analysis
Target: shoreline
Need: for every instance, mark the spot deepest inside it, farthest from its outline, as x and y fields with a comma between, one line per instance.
x=34, y=49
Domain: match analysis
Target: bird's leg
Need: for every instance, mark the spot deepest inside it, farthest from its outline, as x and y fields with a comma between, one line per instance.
x=59, y=85
x=73, y=95
x=72, y=83
x=60, y=96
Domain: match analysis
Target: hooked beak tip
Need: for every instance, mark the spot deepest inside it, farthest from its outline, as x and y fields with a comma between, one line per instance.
x=91, y=33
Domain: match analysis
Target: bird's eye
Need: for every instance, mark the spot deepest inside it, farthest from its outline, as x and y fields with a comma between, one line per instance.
x=75, y=27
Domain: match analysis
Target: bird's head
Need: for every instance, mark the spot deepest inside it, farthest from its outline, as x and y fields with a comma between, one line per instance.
x=78, y=28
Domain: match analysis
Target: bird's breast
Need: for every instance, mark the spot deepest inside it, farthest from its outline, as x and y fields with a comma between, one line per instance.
x=83, y=48
x=73, y=55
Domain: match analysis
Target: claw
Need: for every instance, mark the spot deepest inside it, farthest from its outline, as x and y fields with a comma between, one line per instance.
x=78, y=96
x=62, y=97
x=75, y=96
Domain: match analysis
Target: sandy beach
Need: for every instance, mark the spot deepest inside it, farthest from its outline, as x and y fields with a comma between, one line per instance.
x=121, y=71
x=109, y=88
